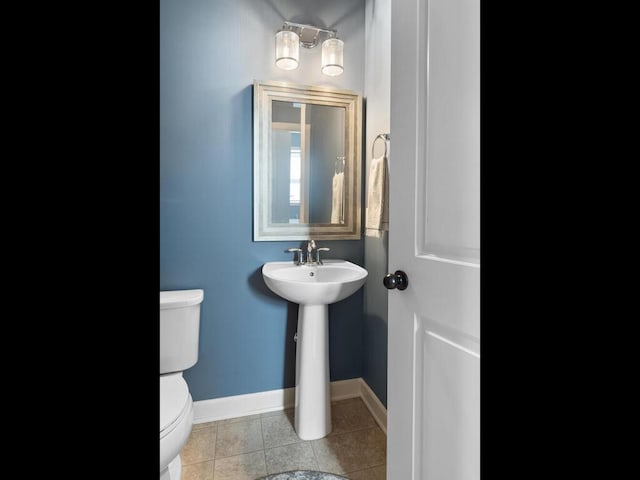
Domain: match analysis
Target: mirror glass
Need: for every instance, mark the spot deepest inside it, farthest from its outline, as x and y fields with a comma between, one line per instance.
x=307, y=156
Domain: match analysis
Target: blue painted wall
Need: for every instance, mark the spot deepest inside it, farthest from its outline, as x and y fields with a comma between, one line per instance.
x=378, y=120
x=211, y=51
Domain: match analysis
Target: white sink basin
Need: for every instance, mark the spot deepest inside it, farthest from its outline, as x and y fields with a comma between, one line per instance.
x=330, y=282
x=313, y=288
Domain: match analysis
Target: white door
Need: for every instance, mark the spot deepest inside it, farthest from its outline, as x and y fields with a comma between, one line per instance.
x=433, y=399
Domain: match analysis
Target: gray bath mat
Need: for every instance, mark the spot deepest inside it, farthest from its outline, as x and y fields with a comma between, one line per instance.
x=303, y=475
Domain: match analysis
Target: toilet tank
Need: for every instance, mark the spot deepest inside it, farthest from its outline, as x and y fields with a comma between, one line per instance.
x=179, y=329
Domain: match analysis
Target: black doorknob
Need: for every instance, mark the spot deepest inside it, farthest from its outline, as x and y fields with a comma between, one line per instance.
x=397, y=280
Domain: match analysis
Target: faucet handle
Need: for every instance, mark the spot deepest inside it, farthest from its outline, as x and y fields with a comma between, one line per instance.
x=318, y=250
x=299, y=252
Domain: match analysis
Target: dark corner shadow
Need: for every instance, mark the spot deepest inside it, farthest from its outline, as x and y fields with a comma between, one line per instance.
x=289, y=374
x=356, y=9
x=257, y=285
x=308, y=12
x=276, y=9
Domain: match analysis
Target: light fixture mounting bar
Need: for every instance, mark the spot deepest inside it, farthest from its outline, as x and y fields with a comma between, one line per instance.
x=308, y=34
x=302, y=25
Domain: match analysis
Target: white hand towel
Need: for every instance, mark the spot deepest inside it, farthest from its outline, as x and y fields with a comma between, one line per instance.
x=377, y=217
x=336, y=202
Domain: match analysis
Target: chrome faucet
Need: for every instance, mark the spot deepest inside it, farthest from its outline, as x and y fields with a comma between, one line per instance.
x=311, y=249
x=306, y=256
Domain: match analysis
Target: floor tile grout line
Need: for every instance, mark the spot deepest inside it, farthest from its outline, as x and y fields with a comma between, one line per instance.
x=196, y=463
x=255, y=420
x=238, y=454
x=264, y=455
x=357, y=429
x=262, y=433
x=286, y=444
x=266, y=470
x=365, y=468
x=353, y=431
x=315, y=456
x=216, y=430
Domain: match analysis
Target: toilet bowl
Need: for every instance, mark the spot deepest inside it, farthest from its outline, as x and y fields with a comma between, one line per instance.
x=179, y=328
x=176, y=419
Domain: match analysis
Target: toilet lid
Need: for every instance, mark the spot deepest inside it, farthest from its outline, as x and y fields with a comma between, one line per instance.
x=180, y=298
x=174, y=395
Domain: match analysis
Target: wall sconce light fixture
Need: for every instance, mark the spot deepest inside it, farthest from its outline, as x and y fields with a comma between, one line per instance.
x=291, y=35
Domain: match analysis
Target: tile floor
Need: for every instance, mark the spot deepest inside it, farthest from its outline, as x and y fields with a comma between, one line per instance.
x=247, y=448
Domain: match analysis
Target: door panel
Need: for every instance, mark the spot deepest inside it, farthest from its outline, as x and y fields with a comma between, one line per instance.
x=451, y=409
x=434, y=325
x=451, y=224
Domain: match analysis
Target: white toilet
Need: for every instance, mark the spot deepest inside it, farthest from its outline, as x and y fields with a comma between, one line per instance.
x=179, y=327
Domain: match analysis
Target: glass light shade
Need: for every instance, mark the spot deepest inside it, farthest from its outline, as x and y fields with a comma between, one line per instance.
x=287, y=49
x=332, y=56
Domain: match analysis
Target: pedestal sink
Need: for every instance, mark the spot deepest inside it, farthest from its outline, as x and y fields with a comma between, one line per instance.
x=313, y=287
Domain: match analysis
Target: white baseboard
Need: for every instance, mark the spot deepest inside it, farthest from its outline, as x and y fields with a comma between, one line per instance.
x=343, y=389
x=274, y=400
x=375, y=406
x=242, y=405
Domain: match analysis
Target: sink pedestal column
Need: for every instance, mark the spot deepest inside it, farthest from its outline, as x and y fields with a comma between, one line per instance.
x=313, y=398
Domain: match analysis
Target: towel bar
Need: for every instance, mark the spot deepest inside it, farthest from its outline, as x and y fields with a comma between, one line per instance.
x=385, y=137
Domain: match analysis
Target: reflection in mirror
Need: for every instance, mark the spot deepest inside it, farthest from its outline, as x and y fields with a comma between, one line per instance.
x=307, y=156
x=307, y=183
